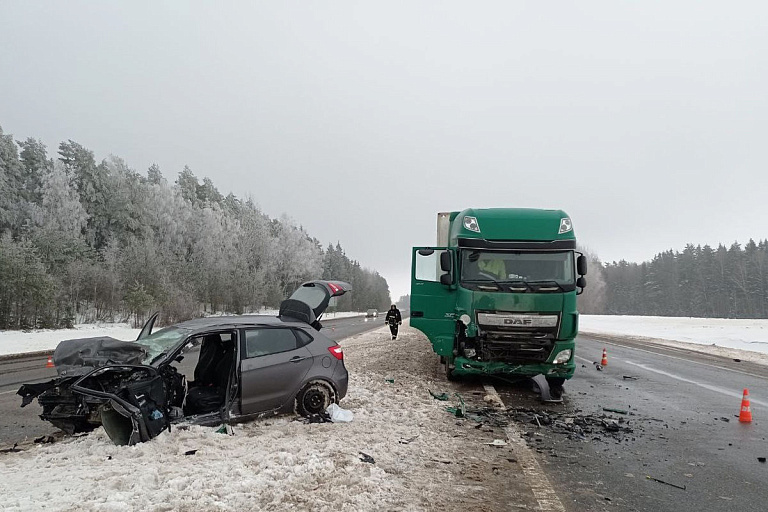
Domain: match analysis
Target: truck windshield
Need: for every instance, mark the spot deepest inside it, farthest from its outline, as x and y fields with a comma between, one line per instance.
x=550, y=269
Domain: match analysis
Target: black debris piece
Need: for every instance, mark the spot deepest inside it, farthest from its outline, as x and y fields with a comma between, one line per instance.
x=737, y=360
x=761, y=459
x=364, y=457
x=12, y=449
x=321, y=417
x=190, y=452
x=665, y=483
x=45, y=440
x=629, y=377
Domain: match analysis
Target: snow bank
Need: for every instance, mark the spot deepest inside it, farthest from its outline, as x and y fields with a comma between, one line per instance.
x=20, y=342
x=721, y=336
x=282, y=463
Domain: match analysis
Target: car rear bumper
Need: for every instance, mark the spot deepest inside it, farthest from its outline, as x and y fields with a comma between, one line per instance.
x=341, y=381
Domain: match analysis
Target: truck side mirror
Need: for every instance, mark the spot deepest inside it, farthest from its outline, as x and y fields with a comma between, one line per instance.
x=581, y=265
x=446, y=279
x=445, y=261
x=581, y=282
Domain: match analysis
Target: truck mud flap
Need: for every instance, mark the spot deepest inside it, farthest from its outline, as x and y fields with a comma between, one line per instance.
x=546, y=394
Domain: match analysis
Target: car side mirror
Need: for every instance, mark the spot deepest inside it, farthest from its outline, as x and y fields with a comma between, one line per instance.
x=446, y=279
x=581, y=265
x=445, y=261
x=581, y=282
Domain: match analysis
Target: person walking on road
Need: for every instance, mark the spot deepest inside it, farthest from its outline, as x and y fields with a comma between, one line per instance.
x=393, y=319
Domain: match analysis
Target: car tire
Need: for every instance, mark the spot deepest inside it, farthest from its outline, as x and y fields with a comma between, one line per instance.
x=314, y=398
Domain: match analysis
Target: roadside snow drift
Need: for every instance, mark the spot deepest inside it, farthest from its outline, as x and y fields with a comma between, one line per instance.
x=422, y=459
x=721, y=336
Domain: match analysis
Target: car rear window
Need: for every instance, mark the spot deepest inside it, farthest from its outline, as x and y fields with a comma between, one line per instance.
x=262, y=342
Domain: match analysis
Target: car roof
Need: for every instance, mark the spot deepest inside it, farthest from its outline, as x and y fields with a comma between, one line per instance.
x=223, y=322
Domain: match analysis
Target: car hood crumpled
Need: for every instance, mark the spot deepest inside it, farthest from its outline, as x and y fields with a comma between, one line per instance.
x=80, y=356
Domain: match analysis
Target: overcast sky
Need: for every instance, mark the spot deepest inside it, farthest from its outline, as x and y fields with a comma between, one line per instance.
x=645, y=121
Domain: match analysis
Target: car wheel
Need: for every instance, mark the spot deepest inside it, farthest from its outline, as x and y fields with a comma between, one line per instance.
x=314, y=398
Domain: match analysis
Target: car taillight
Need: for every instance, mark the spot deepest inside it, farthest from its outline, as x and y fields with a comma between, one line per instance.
x=336, y=352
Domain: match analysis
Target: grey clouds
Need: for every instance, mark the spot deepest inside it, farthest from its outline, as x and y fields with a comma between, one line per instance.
x=645, y=121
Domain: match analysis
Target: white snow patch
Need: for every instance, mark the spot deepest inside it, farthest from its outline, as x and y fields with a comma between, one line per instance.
x=21, y=342
x=280, y=463
x=739, y=338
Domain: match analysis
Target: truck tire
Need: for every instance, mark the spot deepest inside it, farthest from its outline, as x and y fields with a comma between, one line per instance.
x=555, y=382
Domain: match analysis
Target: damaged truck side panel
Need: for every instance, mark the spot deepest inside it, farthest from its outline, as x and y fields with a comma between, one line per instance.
x=497, y=295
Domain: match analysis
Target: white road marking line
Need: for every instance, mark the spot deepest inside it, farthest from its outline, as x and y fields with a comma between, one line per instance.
x=539, y=483
x=710, y=387
x=583, y=359
x=679, y=358
x=6, y=392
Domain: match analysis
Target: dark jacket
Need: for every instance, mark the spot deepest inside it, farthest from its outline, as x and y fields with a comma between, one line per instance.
x=393, y=315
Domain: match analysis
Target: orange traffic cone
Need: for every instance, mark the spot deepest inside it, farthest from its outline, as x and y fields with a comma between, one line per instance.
x=745, y=416
x=604, y=361
x=49, y=364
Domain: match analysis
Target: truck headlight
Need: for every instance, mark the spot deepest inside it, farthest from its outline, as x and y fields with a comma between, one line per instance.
x=471, y=224
x=563, y=357
x=465, y=319
x=565, y=225
x=469, y=352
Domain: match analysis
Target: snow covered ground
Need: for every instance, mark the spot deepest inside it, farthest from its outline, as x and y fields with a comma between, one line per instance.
x=282, y=463
x=21, y=342
x=747, y=339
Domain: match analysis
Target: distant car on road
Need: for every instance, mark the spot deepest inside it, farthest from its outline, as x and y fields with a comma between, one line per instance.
x=371, y=313
x=239, y=368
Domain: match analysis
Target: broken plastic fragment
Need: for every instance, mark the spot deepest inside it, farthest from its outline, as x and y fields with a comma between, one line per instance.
x=497, y=442
x=442, y=396
x=364, y=457
x=339, y=415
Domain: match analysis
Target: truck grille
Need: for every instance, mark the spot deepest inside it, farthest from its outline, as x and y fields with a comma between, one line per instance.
x=517, y=337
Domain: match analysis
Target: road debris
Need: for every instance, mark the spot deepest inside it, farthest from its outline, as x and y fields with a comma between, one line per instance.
x=443, y=397
x=649, y=477
x=497, y=442
x=761, y=459
x=364, y=457
x=190, y=452
x=339, y=415
x=409, y=440
x=12, y=449
x=629, y=377
x=617, y=411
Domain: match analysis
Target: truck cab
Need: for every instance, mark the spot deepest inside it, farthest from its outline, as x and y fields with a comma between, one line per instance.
x=497, y=294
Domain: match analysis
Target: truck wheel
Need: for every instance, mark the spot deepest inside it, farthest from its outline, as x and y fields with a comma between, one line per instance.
x=314, y=398
x=555, y=382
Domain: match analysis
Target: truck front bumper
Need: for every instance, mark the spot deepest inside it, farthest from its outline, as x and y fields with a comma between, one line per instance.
x=469, y=367
x=464, y=366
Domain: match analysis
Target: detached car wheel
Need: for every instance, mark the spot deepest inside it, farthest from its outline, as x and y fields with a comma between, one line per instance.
x=314, y=398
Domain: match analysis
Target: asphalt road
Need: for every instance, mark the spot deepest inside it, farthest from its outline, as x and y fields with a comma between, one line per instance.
x=19, y=425
x=682, y=428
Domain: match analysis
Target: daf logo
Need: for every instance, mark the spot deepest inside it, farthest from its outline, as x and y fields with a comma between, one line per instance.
x=518, y=321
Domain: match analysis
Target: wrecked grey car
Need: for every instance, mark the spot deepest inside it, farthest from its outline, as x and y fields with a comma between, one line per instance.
x=205, y=371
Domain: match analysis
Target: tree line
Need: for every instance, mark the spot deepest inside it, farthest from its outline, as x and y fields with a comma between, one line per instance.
x=699, y=281
x=82, y=241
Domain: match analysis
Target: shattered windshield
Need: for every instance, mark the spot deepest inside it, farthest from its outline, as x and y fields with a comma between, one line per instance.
x=162, y=341
x=528, y=267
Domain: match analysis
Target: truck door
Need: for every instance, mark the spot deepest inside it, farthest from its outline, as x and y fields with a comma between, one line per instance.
x=432, y=302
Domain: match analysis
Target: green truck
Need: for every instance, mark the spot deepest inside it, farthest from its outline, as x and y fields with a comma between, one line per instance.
x=497, y=295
